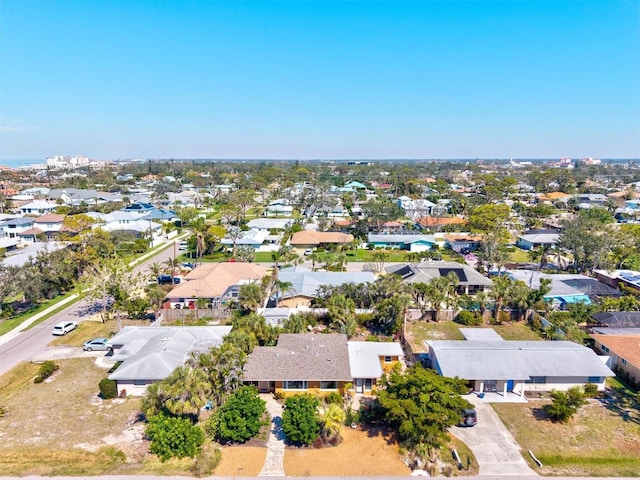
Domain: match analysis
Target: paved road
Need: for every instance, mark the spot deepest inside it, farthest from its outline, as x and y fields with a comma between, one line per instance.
x=30, y=343
x=495, y=449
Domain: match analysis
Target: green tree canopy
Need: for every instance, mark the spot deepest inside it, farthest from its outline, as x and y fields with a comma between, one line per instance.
x=421, y=405
x=173, y=437
x=300, y=419
x=238, y=419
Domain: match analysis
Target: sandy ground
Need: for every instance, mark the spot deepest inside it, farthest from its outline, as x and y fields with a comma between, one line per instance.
x=360, y=453
x=241, y=461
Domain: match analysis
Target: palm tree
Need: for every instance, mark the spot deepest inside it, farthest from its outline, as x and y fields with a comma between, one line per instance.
x=153, y=400
x=186, y=391
x=223, y=368
x=172, y=264
x=379, y=257
x=156, y=269
x=332, y=419
x=281, y=289
x=500, y=293
x=441, y=290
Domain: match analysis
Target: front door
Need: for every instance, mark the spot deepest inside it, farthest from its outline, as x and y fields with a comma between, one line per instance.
x=359, y=384
x=509, y=385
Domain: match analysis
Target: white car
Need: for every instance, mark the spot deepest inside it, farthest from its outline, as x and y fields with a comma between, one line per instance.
x=64, y=327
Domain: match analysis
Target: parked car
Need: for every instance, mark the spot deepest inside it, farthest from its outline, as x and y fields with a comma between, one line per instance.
x=96, y=344
x=63, y=328
x=164, y=279
x=469, y=418
x=183, y=245
x=308, y=251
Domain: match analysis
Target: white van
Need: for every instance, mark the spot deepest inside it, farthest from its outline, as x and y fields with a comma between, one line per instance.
x=183, y=245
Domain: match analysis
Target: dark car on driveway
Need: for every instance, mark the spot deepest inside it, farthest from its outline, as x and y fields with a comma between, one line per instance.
x=469, y=418
x=164, y=279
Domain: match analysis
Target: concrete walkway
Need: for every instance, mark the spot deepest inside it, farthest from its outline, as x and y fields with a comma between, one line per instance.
x=495, y=449
x=274, y=461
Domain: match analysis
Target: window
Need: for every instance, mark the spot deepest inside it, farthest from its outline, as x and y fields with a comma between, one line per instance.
x=624, y=362
x=295, y=385
x=368, y=383
x=605, y=349
x=139, y=382
x=594, y=379
x=387, y=359
x=536, y=380
x=331, y=385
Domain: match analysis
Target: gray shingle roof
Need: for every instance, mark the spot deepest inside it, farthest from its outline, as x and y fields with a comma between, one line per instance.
x=301, y=357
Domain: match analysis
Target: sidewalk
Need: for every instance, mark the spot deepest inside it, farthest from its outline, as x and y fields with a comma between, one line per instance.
x=76, y=296
x=274, y=461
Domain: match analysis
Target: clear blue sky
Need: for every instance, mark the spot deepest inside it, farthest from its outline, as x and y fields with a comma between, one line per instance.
x=320, y=79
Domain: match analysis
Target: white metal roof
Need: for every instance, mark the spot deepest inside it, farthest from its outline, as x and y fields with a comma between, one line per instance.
x=515, y=360
x=364, y=357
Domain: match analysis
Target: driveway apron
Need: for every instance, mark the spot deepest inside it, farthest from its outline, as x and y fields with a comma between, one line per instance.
x=492, y=444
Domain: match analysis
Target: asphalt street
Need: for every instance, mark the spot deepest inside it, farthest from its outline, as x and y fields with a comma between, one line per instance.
x=27, y=345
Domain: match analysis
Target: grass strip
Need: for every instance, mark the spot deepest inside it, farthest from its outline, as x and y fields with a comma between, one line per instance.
x=16, y=321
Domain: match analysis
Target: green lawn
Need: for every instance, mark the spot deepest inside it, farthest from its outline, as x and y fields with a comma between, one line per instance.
x=14, y=322
x=419, y=331
x=598, y=441
x=367, y=255
x=520, y=256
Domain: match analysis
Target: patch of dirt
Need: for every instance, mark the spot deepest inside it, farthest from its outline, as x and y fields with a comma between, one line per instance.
x=363, y=452
x=241, y=461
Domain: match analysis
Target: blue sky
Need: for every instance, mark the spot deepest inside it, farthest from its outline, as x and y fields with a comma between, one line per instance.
x=320, y=79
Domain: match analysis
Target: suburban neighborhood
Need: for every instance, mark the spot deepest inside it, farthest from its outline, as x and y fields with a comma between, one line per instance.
x=277, y=315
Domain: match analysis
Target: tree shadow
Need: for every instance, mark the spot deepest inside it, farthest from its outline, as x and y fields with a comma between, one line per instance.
x=373, y=430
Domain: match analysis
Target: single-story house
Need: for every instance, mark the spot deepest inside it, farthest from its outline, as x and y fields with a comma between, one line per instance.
x=565, y=288
x=628, y=278
x=616, y=320
x=410, y=242
x=439, y=222
x=491, y=364
x=249, y=238
x=218, y=283
x=462, y=242
x=312, y=239
x=532, y=239
x=319, y=364
x=469, y=280
x=150, y=354
x=269, y=224
x=623, y=352
x=306, y=282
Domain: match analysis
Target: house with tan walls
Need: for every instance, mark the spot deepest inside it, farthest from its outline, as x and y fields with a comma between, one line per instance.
x=320, y=364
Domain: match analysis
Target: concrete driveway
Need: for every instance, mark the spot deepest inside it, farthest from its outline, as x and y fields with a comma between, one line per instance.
x=495, y=449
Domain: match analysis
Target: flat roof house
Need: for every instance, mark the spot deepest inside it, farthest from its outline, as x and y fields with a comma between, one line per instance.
x=492, y=364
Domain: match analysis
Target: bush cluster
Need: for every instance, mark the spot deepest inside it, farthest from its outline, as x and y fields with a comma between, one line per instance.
x=45, y=371
x=565, y=404
x=108, y=389
x=173, y=437
x=466, y=317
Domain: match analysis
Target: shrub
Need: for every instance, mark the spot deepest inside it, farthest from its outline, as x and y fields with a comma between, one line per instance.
x=45, y=371
x=299, y=419
x=465, y=317
x=565, y=404
x=333, y=397
x=108, y=388
x=590, y=390
x=238, y=419
x=207, y=460
x=173, y=437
